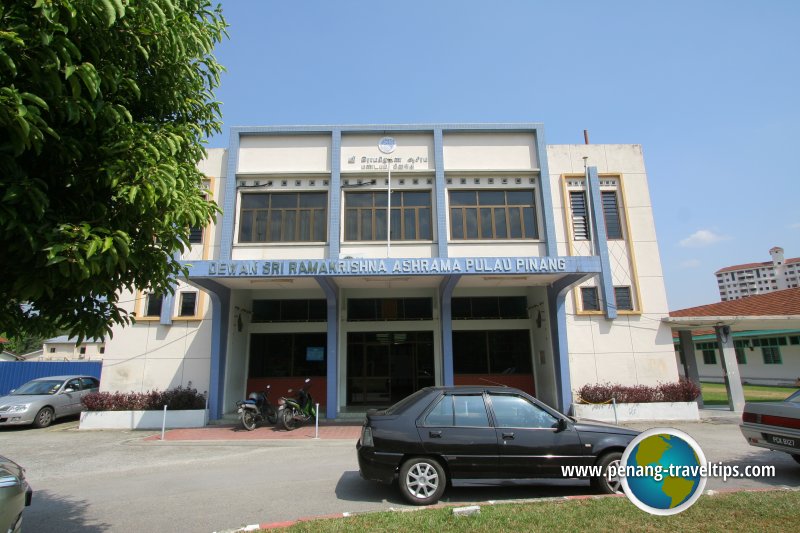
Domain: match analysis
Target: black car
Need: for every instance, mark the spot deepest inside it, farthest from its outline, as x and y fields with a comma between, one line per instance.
x=441, y=434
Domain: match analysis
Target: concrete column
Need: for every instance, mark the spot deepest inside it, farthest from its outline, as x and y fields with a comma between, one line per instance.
x=220, y=308
x=686, y=346
x=446, y=318
x=557, y=315
x=730, y=368
x=332, y=297
x=440, y=193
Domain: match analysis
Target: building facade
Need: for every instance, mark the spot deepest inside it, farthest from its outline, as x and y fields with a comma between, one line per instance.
x=507, y=261
x=766, y=357
x=65, y=348
x=739, y=281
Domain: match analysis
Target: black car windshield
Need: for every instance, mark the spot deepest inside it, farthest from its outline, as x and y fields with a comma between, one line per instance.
x=38, y=387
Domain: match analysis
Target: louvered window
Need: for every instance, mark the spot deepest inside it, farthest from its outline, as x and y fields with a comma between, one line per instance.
x=623, y=298
x=580, y=216
x=611, y=214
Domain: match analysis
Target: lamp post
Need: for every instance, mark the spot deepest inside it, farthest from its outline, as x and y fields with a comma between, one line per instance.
x=387, y=145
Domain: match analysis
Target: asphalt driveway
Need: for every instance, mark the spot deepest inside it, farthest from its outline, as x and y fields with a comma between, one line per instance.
x=93, y=481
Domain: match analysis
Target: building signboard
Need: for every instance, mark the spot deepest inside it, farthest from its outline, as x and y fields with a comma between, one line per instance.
x=389, y=267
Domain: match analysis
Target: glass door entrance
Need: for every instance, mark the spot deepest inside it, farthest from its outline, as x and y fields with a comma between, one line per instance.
x=383, y=368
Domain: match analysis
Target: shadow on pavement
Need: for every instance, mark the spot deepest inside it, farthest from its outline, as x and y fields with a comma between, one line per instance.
x=51, y=513
x=787, y=470
x=352, y=487
x=64, y=422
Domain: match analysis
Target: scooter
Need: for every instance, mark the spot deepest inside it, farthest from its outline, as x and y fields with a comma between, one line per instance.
x=292, y=411
x=256, y=409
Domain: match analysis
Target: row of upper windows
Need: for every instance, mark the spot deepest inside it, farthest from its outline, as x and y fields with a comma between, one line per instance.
x=474, y=215
x=303, y=216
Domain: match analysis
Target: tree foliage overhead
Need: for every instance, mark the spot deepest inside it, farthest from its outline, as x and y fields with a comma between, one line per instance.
x=105, y=106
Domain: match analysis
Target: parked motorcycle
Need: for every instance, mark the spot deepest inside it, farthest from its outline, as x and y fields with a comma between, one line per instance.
x=301, y=408
x=256, y=409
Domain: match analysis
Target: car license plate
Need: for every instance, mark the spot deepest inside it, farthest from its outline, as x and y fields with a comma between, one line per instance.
x=783, y=441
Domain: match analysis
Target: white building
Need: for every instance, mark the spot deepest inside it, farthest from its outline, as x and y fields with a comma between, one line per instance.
x=765, y=337
x=509, y=262
x=738, y=281
x=65, y=348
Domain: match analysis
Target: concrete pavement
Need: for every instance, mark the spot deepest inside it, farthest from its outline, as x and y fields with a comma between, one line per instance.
x=93, y=481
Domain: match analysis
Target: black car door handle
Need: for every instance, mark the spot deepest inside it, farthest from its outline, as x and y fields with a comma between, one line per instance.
x=435, y=434
x=509, y=436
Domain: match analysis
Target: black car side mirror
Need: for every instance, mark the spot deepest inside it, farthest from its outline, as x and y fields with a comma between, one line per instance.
x=561, y=425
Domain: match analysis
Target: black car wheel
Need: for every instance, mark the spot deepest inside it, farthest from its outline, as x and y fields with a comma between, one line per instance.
x=608, y=484
x=422, y=480
x=43, y=418
x=796, y=457
x=249, y=420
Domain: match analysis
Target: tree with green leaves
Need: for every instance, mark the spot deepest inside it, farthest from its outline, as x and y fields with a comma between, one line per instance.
x=105, y=106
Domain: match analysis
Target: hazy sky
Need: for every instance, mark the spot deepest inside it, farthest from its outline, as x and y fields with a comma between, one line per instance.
x=708, y=88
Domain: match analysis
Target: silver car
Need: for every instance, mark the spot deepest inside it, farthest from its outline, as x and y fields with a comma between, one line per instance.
x=15, y=495
x=42, y=400
x=774, y=425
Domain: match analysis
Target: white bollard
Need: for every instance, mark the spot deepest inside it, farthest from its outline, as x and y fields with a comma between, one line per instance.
x=316, y=424
x=164, y=422
x=614, y=405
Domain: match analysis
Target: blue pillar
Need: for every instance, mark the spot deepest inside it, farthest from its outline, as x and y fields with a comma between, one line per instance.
x=167, y=304
x=335, y=196
x=601, y=241
x=446, y=317
x=440, y=191
x=220, y=311
x=332, y=398
x=556, y=301
x=546, y=195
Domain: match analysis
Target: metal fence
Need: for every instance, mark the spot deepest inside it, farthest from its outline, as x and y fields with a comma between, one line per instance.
x=15, y=373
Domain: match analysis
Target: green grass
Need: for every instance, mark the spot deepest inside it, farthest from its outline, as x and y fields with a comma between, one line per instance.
x=714, y=393
x=742, y=511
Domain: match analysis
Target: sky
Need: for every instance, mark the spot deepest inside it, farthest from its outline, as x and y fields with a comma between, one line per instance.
x=711, y=90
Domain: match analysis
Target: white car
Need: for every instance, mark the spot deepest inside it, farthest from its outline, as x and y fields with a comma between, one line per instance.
x=774, y=425
x=42, y=400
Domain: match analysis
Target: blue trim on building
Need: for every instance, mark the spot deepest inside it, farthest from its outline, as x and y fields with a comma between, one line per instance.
x=601, y=243
x=545, y=195
x=433, y=266
x=332, y=378
x=335, y=196
x=440, y=191
x=167, y=304
x=446, y=288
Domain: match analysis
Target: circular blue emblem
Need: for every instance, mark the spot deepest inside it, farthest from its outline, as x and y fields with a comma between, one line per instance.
x=665, y=471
